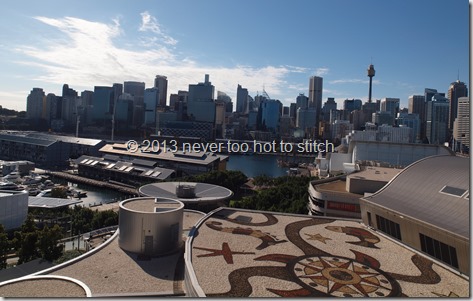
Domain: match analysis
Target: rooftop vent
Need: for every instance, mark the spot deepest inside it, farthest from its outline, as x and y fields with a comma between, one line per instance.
x=185, y=191
x=453, y=191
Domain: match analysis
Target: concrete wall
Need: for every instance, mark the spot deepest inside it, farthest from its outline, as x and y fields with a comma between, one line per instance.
x=140, y=229
x=13, y=208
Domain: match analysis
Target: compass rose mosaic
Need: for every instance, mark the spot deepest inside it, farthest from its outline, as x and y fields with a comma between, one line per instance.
x=310, y=257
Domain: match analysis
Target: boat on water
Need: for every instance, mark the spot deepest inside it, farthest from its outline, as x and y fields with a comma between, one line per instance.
x=48, y=184
x=5, y=185
x=45, y=193
x=33, y=191
x=14, y=176
x=31, y=179
x=78, y=193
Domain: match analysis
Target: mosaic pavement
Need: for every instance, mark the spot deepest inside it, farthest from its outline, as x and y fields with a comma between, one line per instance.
x=247, y=254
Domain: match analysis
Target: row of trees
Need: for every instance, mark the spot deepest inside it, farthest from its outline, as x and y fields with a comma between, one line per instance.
x=30, y=243
x=40, y=234
x=286, y=194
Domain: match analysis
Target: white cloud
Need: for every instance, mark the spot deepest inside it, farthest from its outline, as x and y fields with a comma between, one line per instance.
x=13, y=100
x=321, y=71
x=149, y=23
x=352, y=81
x=88, y=55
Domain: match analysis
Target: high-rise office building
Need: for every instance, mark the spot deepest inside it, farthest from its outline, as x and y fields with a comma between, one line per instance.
x=151, y=99
x=87, y=97
x=200, y=102
x=315, y=93
x=103, y=96
x=161, y=82
x=134, y=88
x=69, y=104
x=461, y=125
x=242, y=100
x=390, y=105
x=271, y=111
x=350, y=105
x=329, y=105
x=302, y=101
x=34, y=103
x=456, y=90
x=412, y=121
x=117, y=91
x=227, y=101
x=437, y=119
x=416, y=105
x=315, y=98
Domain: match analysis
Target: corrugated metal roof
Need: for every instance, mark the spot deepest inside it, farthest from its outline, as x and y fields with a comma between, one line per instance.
x=67, y=139
x=416, y=192
x=26, y=140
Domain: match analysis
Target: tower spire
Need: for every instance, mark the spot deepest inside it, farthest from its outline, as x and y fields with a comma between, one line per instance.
x=371, y=73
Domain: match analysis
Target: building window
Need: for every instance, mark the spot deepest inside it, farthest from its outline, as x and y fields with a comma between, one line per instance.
x=439, y=250
x=369, y=219
x=389, y=227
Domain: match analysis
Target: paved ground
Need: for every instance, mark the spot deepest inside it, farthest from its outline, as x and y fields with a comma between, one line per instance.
x=239, y=253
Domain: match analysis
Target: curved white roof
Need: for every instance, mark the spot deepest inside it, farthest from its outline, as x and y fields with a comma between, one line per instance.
x=434, y=190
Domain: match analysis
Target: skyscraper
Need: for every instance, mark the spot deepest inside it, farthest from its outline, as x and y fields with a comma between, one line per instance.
x=390, y=105
x=416, y=105
x=151, y=103
x=242, y=100
x=302, y=101
x=457, y=89
x=102, y=97
x=315, y=97
x=161, y=82
x=437, y=119
x=200, y=102
x=34, y=103
x=315, y=92
x=461, y=125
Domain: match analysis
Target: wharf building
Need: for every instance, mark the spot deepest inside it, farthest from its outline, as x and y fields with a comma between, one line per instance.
x=426, y=206
x=183, y=163
x=130, y=172
x=45, y=150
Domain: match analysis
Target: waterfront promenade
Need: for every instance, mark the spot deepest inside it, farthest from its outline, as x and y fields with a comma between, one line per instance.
x=92, y=182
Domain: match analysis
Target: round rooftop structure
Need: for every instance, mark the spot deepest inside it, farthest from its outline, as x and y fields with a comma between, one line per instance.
x=150, y=226
x=189, y=193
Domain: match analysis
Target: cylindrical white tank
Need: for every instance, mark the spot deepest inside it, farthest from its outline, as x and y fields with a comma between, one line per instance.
x=150, y=226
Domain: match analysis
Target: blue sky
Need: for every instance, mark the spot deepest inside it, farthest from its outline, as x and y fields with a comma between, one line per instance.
x=278, y=45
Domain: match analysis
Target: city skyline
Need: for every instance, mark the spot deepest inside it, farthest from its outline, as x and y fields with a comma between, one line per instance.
x=90, y=44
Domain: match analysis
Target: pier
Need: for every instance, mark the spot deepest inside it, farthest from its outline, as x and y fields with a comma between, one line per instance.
x=92, y=182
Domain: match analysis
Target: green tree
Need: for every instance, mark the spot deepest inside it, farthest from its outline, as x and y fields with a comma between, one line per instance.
x=59, y=192
x=26, y=240
x=48, y=242
x=4, y=247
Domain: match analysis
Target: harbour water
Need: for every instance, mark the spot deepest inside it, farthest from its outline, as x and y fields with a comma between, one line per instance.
x=251, y=165
x=256, y=165
x=95, y=195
